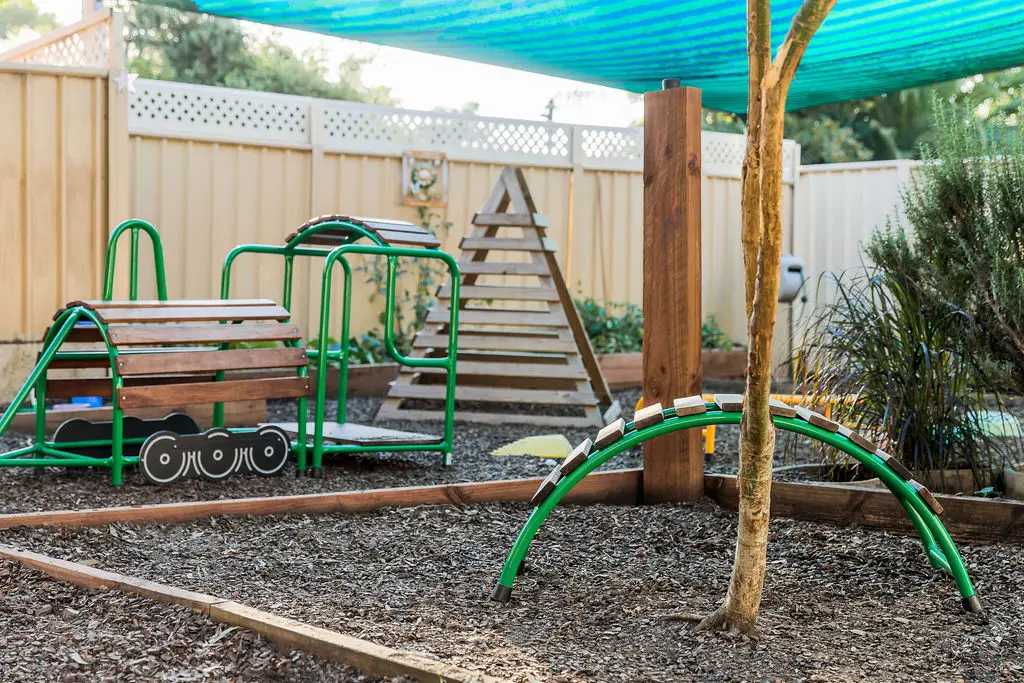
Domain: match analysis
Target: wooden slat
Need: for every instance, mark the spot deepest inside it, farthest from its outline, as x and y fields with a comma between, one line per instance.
x=494, y=395
x=424, y=239
x=647, y=416
x=482, y=342
x=618, y=486
x=172, y=314
x=729, y=403
x=363, y=435
x=388, y=412
x=96, y=304
x=510, y=220
x=506, y=244
x=965, y=517
x=214, y=392
x=521, y=369
x=498, y=316
x=611, y=433
x=501, y=268
x=210, y=361
x=129, y=335
x=103, y=386
x=501, y=293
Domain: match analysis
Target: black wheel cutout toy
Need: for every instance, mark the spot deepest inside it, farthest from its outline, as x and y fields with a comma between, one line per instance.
x=214, y=455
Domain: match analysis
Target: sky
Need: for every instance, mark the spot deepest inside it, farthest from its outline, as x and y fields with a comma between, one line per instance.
x=423, y=81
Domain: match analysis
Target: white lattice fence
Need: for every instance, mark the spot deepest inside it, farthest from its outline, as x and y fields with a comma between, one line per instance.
x=161, y=108
x=88, y=43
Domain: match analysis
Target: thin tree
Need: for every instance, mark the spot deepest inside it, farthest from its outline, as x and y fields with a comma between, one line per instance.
x=768, y=84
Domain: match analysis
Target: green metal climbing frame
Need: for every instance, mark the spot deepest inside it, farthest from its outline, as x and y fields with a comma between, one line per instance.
x=938, y=545
x=305, y=242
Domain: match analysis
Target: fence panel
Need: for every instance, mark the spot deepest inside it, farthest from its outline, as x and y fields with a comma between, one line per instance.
x=53, y=173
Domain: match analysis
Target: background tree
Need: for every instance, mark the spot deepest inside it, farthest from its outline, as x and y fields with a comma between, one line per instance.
x=177, y=44
x=18, y=14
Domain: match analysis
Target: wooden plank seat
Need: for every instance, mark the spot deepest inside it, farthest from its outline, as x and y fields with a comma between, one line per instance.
x=169, y=352
x=390, y=232
x=362, y=435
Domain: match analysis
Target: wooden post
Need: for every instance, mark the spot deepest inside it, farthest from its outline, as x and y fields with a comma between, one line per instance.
x=674, y=463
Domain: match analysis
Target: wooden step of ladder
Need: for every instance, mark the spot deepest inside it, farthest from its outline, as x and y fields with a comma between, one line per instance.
x=520, y=342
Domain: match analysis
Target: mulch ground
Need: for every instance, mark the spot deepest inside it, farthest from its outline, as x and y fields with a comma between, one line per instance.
x=31, y=489
x=841, y=604
x=53, y=631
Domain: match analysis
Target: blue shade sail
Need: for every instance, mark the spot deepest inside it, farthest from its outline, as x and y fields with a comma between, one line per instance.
x=865, y=47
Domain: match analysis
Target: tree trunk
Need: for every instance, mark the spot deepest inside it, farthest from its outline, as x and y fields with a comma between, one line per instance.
x=762, y=252
x=759, y=54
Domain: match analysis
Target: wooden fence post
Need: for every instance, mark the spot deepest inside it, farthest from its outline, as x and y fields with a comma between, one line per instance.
x=674, y=463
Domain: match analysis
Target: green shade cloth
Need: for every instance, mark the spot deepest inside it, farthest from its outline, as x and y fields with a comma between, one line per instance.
x=865, y=47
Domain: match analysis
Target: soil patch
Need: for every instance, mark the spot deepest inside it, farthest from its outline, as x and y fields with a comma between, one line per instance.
x=840, y=604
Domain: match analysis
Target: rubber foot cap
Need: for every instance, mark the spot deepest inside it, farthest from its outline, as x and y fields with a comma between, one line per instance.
x=501, y=593
x=972, y=604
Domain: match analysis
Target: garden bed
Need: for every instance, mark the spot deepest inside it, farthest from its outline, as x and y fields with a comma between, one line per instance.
x=840, y=604
x=27, y=489
x=51, y=630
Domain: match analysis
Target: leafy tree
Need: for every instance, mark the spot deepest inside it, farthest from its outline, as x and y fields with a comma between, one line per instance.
x=18, y=14
x=177, y=44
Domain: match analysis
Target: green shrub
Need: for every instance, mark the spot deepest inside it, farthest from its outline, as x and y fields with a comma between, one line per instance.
x=612, y=327
x=965, y=212
x=920, y=388
x=619, y=327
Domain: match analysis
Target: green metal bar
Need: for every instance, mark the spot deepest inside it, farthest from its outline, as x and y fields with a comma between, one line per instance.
x=341, y=408
x=292, y=248
x=448, y=362
x=289, y=277
x=900, y=488
x=134, y=225
x=58, y=333
x=133, y=272
x=11, y=455
x=94, y=443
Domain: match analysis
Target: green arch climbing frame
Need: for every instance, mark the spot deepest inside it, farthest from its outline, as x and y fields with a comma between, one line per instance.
x=691, y=413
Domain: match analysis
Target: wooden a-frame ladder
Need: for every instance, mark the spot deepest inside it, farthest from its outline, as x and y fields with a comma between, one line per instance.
x=522, y=349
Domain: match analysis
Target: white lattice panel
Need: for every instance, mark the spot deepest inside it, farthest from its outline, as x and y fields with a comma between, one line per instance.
x=384, y=130
x=86, y=48
x=236, y=115
x=159, y=107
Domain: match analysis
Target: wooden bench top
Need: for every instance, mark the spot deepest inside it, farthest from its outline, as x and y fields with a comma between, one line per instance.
x=388, y=231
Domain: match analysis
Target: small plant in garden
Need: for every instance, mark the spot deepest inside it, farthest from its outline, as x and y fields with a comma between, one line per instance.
x=920, y=378
x=612, y=327
x=712, y=336
x=619, y=327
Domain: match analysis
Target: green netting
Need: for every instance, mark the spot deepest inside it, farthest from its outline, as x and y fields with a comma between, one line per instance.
x=865, y=47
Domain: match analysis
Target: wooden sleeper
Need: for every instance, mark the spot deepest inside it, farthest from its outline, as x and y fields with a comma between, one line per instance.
x=651, y=415
x=546, y=487
x=577, y=457
x=610, y=433
x=926, y=495
x=816, y=419
x=690, y=405
x=729, y=403
x=895, y=465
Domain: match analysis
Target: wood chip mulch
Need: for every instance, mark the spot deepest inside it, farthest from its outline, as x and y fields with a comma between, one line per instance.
x=841, y=604
x=28, y=490
x=54, y=631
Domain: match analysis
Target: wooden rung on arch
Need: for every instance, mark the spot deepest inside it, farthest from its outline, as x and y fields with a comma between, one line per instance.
x=521, y=340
